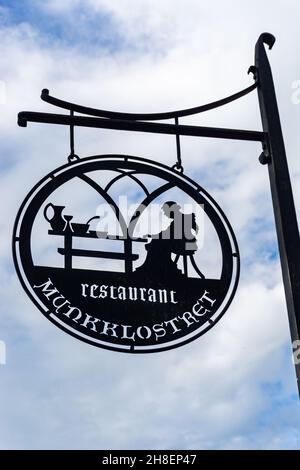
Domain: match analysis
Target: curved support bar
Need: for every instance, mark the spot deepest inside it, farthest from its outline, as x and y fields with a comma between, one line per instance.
x=145, y=117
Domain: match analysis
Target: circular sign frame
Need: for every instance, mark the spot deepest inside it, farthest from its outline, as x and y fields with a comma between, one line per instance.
x=137, y=342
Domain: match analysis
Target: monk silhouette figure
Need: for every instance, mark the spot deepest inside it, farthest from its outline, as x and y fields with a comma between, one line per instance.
x=178, y=238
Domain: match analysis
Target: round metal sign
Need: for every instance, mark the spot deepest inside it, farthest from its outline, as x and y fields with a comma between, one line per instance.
x=126, y=254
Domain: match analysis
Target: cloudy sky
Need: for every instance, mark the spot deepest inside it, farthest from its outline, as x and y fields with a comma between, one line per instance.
x=235, y=387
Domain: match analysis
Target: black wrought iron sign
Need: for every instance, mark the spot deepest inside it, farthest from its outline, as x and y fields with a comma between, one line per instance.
x=142, y=278
x=139, y=281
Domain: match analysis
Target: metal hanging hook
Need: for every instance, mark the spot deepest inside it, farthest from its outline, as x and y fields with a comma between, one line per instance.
x=178, y=165
x=73, y=156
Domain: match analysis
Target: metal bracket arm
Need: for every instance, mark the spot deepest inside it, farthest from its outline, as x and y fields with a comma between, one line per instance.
x=139, y=126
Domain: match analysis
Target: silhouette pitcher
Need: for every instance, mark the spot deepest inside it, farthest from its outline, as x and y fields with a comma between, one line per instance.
x=57, y=221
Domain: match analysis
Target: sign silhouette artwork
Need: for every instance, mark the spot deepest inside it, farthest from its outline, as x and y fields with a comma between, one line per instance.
x=133, y=256
x=146, y=271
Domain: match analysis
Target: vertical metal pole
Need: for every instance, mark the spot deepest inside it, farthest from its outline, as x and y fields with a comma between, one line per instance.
x=282, y=196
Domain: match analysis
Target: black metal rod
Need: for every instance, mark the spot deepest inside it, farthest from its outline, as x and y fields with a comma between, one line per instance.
x=178, y=148
x=139, y=126
x=282, y=196
x=144, y=116
x=72, y=136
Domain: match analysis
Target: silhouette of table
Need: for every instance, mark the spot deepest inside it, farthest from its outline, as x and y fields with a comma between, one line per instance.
x=68, y=251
